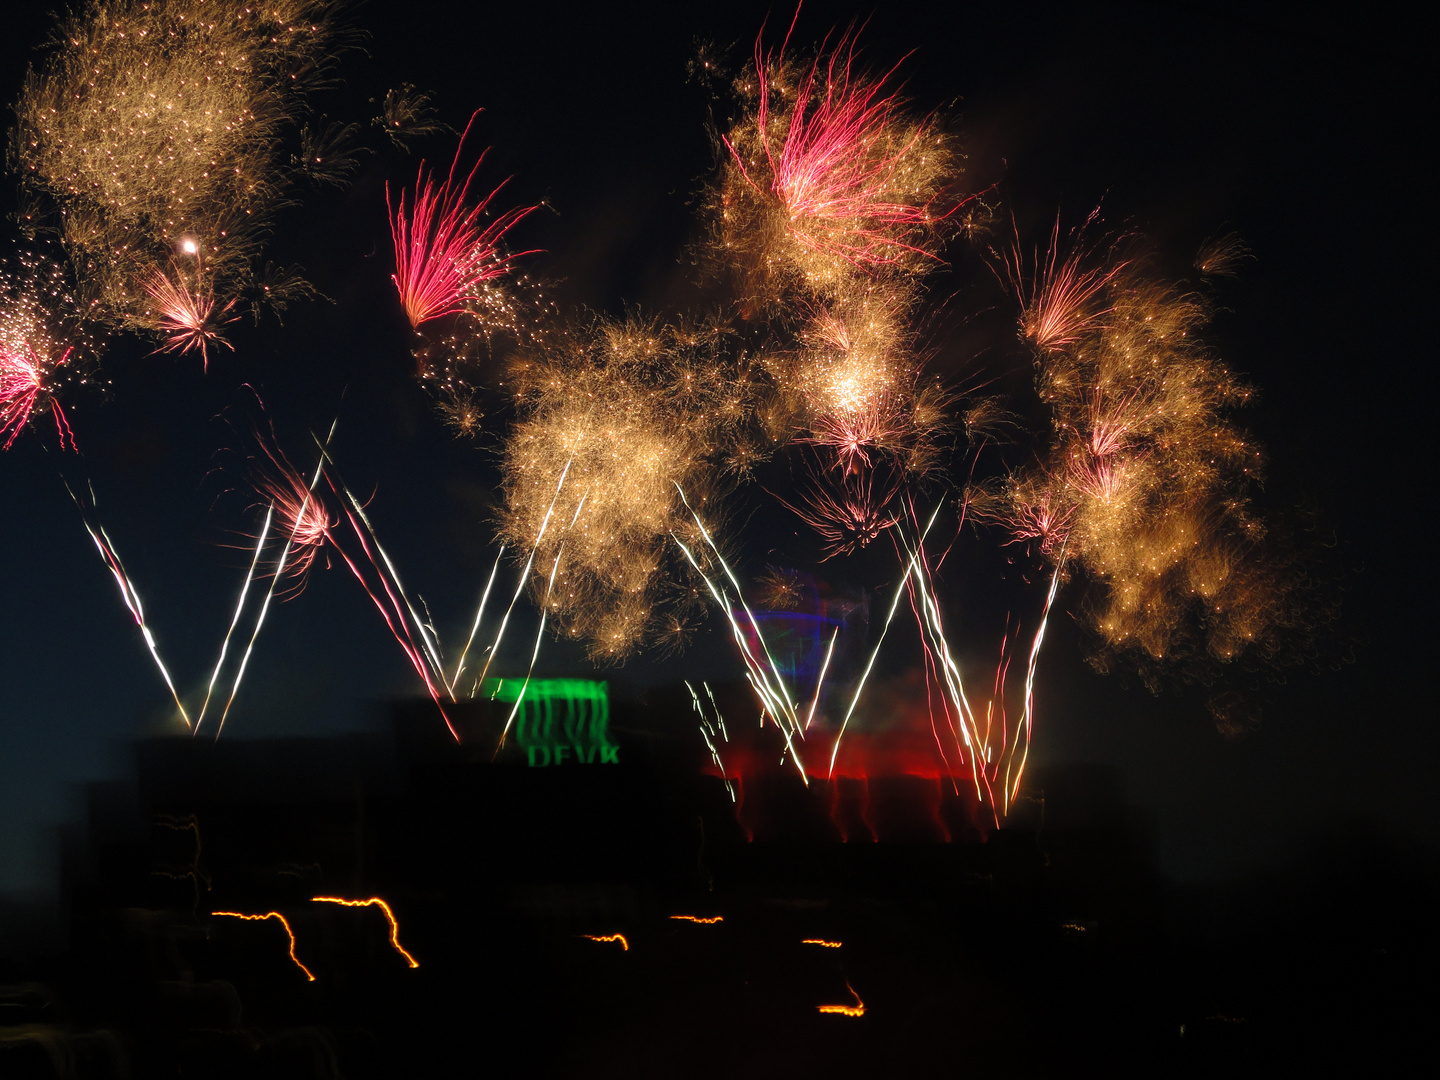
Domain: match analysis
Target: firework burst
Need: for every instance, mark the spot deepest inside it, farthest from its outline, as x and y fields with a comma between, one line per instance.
x=42, y=341
x=189, y=318
x=445, y=251
x=828, y=175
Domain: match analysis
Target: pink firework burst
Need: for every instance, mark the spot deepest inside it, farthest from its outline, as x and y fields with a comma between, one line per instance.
x=301, y=514
x=1047, y=518
x=845, y=162
x=1062, y=297
x=847, y=515
x=443, y=249
x=23, y=385
x=855, y=434
x=190, y=317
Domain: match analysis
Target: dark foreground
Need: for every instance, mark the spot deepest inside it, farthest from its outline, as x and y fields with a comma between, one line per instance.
x=1053, y=948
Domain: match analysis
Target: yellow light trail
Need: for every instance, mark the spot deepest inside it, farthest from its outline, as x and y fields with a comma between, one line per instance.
x=609, y=937
x=374, y=901
x=821, y=942
x=271, y=915
x=858, y=1009
x=700, y=918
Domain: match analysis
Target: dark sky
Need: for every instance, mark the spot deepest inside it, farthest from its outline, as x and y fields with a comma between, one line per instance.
x=1299, y=134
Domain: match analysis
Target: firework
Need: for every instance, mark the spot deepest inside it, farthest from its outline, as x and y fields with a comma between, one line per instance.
x=406, y=113
x=1062, y=294
x=444, y=249
x=43, y=344
x=189, y=318
x=827, y=175
x=627, y=411
x=23, y=384
x=155, y=127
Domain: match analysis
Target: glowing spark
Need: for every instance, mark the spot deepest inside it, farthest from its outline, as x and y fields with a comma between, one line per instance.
x=374, y=901
x=700, y=918
x=823, y=943
x=288, y=932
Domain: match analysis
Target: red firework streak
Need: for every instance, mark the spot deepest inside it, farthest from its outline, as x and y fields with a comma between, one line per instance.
x=394, y=606
x=442, y=249
x=835, y=169
x=22, y=383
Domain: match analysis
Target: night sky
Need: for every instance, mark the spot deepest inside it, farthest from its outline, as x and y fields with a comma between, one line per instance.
x=1299, y=134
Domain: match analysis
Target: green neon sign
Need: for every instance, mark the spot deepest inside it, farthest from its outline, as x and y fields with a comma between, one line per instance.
x=559, y=720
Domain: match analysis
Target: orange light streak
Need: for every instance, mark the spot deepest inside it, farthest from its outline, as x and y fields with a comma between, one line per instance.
x=374, y=901
x=858, y=1009
x=609, y=937
x=822, y=942
x=700, y=919
x=272, y=915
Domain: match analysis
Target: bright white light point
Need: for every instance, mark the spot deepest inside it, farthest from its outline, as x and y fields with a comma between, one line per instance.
x=188, y=246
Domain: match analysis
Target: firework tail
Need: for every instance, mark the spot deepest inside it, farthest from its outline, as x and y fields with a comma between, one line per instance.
x=524, y=578
x=540, y=634
x=274, y=582
x=764, y=679
x=475, y=626
x=890, y=616
x=235, y=619
x=419, y=660
x=951, y=680
x=820, y=682
x=765, y=672
x=706, y=733
x=1012, y=790
x=129, y=595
